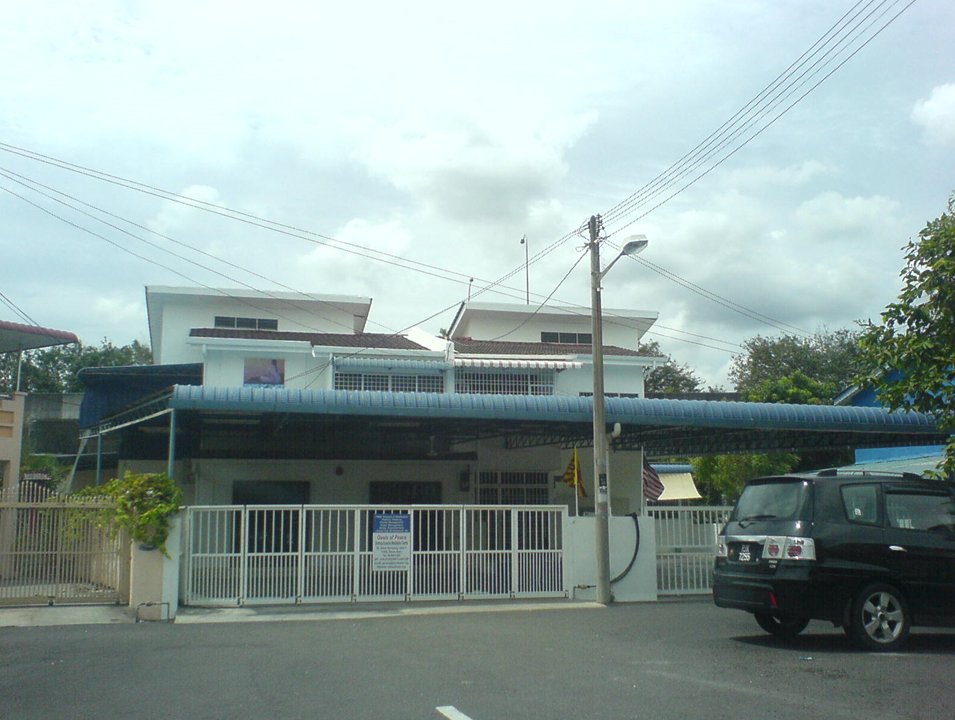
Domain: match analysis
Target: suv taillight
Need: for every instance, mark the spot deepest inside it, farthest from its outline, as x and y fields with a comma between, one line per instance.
x=789, y=548
x=722, y=547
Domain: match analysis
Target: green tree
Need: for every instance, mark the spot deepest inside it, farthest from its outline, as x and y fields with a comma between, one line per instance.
x=796, y=389
x=720, y=478
x=56, y=369
x=827, y=358
x=910, y=354
x=671, y=377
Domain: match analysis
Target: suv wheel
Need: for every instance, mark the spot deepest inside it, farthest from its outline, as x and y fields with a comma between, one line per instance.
x=781, y=627
x=880, y=618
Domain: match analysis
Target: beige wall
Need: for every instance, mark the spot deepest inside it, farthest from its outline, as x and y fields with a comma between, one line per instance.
x=11, y=438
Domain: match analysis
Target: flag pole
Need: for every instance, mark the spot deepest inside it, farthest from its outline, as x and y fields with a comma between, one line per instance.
x=577, y=480
x=643, y=483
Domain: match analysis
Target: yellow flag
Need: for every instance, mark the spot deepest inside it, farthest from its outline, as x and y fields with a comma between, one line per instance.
x=572, y=475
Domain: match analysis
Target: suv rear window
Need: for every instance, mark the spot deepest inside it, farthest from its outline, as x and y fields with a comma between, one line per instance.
x=775, y=500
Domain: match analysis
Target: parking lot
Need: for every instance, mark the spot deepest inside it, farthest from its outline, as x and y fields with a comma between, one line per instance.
x=678, y=659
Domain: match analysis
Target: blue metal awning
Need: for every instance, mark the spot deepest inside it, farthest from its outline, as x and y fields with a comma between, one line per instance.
x=550, y=408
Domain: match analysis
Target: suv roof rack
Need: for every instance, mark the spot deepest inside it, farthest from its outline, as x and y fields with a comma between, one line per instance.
x=838, y=472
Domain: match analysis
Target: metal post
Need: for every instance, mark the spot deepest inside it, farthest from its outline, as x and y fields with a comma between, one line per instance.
x=601, y=492
x=171, y=461
x=99, y=459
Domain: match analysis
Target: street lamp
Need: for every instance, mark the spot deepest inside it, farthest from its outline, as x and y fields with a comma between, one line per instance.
x=601, y=492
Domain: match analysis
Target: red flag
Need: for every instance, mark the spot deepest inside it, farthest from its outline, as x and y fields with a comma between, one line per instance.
x=652, y=487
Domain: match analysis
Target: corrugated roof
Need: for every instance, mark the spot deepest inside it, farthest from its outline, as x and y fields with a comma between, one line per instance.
x=383, y=341
x=14, y=337
x=556, y=408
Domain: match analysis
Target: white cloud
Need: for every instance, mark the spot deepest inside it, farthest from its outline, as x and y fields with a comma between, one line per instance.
x=936, y=116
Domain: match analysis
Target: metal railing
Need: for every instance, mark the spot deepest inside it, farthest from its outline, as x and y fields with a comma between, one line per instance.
x=312, y=554
x=686, y=546
x=58, y=551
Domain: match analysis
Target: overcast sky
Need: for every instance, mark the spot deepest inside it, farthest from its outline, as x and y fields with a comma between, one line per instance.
x=440, y=133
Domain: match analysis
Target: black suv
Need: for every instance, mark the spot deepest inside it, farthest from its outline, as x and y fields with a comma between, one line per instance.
x=872, y=553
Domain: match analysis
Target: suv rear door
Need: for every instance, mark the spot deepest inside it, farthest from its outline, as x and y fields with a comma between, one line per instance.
x=920, y=545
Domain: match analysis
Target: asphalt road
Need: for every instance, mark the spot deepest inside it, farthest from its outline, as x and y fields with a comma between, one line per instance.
x=662, y=660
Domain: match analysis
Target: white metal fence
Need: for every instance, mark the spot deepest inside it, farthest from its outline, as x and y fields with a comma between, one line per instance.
x=686, y=546
x=54, y=550
x=311, y=554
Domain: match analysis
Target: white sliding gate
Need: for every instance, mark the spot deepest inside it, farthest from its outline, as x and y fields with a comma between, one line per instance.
x=686, y=547
x=271, y=554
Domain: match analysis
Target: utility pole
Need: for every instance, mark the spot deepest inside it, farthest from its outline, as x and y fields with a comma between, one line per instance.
x=527, y=268
x=601, y=491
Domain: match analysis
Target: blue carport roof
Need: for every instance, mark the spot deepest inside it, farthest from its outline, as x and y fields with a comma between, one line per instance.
x=666, y=426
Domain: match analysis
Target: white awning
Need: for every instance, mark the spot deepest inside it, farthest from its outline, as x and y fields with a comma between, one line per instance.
x=679, y=486
x=522, y=364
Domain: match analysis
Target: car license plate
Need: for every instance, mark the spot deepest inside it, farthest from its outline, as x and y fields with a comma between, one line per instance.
x=745, y=553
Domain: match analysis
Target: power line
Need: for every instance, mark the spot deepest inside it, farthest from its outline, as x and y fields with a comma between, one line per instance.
x=720, y=139
x=680, y=169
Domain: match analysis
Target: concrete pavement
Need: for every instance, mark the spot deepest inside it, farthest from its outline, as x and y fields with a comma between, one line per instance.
x=43, y=616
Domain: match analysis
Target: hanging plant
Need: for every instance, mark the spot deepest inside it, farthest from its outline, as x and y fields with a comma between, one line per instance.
x=145, y=504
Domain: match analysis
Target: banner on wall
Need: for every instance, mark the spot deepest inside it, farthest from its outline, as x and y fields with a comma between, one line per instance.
x=260, y=371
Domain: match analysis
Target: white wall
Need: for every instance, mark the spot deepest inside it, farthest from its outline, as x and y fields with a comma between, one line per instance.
x=182, y=311
x=483, y=321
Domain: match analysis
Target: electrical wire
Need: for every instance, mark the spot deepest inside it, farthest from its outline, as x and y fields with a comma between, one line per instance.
x=680, y=170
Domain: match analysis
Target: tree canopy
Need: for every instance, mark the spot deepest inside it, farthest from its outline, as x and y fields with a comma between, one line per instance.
x=910, y=354
x=829, y=359
x=672, y=377
x=56, y=369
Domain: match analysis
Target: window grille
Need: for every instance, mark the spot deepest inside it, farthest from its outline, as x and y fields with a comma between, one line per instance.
x=513, y=488
x=539, y=382
x=377, y=383
x=389, y=383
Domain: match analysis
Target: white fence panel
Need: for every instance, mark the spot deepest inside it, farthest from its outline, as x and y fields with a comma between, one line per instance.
x=309, y=554
x=686, y=546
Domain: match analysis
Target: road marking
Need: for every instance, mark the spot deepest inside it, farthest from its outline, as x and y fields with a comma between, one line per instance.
x=452, y=713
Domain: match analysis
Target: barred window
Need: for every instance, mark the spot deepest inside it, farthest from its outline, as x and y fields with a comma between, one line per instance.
x=378, y=383
x=348, y=381
x=389, y=383
x=513, y=488
x=404, y=383
x=431, y=383
x=540, y=382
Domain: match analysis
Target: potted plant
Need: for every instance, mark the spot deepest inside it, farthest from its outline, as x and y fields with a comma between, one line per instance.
x=145, y=504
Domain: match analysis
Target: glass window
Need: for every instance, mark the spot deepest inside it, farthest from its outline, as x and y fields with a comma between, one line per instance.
x=773, y=501
x=266, y=324
x=568, y=338
x=861, y=503
x=550, y=337
x=245, y=323
x=224, y=322
x=585, y=338
x=934, y=512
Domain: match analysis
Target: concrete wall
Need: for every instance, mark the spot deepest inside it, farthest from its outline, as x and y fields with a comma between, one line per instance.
x=639, y=584
x=210, y=482
x=11, y=438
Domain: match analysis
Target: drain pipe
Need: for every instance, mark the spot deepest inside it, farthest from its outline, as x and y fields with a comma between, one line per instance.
x=633, y=558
